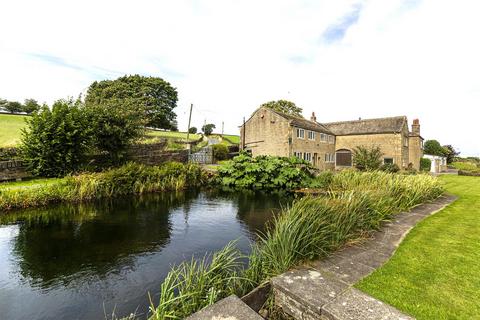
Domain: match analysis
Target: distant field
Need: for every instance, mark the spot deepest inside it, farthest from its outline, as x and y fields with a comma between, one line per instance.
x=11, y=125
x=10, y=129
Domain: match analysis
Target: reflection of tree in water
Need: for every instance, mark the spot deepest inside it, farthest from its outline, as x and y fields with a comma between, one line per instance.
x=254, y=208
x=55, y=244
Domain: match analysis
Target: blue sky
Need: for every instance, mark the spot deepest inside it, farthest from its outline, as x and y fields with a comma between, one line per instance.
x=341, y=59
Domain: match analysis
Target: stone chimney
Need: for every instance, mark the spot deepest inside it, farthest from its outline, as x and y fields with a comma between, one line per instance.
x=416, y=127
x=313, y=117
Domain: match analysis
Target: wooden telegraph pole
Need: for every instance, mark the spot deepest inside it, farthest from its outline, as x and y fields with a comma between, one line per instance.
x=188, y=131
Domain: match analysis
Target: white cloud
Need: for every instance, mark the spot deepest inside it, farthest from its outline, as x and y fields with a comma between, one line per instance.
x=418, y=58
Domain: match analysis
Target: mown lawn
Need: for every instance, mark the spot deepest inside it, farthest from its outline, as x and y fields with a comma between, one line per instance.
x=172, y=135
x=10, y=129
x=435, y=273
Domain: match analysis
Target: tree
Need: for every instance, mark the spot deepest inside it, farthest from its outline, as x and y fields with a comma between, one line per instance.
x=55, y=141
x=284, y=106
x=3, y=102
x=433, y=147
x=13, y=106
x=192, y=130
x=115, y=127
x=155, y=97
x=367, y=158
x=208, y=129
x=450, y=153
x=30, y=106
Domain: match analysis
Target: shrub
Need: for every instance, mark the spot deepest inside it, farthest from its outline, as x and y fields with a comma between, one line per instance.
x=390, y=167
x=367, y=158
x=264, y=173
x=220, y=151
x=425, y=164
x=55, y=141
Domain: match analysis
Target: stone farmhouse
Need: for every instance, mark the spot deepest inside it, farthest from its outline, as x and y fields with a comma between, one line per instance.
x=329, y=146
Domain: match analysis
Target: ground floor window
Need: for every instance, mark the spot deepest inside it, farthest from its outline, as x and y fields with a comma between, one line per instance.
x=297, y=154
x=329, y=157
x=307, y=156
x=388, y=160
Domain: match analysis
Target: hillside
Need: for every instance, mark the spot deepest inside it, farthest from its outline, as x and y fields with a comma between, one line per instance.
x=11, y=125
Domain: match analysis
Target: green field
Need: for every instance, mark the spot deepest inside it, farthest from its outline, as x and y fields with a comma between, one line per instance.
x=11, y=125
x=10, y=129
x=435, y=273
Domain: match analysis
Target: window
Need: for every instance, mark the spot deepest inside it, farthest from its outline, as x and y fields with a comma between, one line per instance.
x=329, y=157
x=405, y=141
x=323, y=137
x=388, y=160
x=297, y=154
x=307, y=156
x=311, y=135
x=331, y=139
x=300, y=133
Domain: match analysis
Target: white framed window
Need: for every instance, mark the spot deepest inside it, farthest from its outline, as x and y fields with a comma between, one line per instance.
x=311, y=135
x=331, y=139
x=329, y=157
x=300, y=133
x=323, y=137
x=297, y=154
x=307, y=156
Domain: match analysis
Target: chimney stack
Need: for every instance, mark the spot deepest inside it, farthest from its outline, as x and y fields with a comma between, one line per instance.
x=416, y=127
x=313, y=117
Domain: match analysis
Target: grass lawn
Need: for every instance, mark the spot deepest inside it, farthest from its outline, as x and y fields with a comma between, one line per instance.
x=435, y=273
x=10, y=126
x=33, y=183
x=172, y=135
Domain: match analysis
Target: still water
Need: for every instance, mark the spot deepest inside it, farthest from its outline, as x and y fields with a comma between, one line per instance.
x=84, y=261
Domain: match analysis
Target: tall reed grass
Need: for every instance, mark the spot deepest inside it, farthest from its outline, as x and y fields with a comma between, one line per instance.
x=131, y=178
x=356, y=203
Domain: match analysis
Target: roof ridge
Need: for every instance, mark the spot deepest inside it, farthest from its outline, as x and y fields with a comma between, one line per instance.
x=369, y=119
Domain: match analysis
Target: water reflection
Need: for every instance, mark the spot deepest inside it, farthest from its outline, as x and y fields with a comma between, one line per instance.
x=70, y=260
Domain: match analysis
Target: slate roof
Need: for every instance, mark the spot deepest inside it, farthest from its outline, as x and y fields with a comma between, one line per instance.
x=367, y=126
x=304, y=123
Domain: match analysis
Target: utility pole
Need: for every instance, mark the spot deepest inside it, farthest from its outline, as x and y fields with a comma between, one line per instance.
x=222, y=128
x=243, y=134
x=188, y=131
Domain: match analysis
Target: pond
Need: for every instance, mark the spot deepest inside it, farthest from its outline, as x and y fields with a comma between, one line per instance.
x=85, y=261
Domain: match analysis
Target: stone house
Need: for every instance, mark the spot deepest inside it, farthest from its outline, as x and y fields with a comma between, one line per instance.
x=330, y=145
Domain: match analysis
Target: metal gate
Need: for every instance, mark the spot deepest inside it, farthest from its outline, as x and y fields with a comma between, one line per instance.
x=204, y=156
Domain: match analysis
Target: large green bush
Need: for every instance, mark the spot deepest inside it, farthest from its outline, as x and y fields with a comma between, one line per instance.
x=55, y=141
x=264, y=173
x=425, y=164
x=220, y=151
x=367, y=159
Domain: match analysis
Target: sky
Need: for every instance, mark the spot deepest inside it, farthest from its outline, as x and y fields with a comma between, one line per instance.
x=341, y=59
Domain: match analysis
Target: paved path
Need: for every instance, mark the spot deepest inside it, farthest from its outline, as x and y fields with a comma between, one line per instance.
x=323, y=289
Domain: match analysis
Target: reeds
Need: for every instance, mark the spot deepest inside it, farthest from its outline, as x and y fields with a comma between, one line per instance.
x=356, y=203
x=131, y=178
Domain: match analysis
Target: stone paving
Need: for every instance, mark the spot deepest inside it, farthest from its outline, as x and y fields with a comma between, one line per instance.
x=323, y=290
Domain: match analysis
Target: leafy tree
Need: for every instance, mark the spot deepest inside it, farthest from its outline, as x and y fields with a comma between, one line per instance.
x=450, y=153
x=208, y=129
x=55, y=141
x=30, y=106
x=155, y=97
x=3, y=102
x=284, y=106
x=13, y=106
x=192, y=130
x=367, y=158
x=434, y=148
x=115, y=127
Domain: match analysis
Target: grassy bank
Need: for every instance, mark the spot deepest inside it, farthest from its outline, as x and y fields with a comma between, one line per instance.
x=310, y=228
x=128, y=179
x=10, y=129
x=435, y=273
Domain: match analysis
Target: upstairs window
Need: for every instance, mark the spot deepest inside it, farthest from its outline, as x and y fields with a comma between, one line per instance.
x=331, y=139
x=311, y=135
x=300, y=133
x=323, y=137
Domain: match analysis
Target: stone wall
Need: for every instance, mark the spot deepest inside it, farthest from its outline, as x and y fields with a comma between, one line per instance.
x=266, y=133
x=316, y=147
x=390, y=144
x=154, y=154
x=12, y=170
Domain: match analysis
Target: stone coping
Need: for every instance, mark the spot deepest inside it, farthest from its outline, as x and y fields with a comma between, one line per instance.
x=323, y=289
x=230, y=308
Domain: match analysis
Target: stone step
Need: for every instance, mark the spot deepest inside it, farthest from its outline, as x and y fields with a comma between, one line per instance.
x=230, y=308
x=318, y=294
